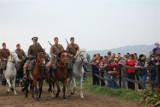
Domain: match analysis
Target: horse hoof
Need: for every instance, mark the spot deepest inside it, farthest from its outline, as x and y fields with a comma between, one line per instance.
x=65, y=99
x=15, y=93
x=8, y=91
x=82, y=98
x=12, y=89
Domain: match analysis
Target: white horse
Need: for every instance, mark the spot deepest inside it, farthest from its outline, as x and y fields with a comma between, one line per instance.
x=78, y=70
x=10, y=72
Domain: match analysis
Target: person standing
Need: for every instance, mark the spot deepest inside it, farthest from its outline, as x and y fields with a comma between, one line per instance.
x=131, y=71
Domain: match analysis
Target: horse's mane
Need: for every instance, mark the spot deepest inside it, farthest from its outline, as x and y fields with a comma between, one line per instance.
x=80, y=50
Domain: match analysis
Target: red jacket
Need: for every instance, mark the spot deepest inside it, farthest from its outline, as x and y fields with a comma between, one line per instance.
x=130, y=63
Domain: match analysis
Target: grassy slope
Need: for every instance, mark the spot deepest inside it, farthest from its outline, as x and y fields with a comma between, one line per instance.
x=106, y=91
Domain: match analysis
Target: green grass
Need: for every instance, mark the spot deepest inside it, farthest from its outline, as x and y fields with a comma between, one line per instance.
x=119, y=93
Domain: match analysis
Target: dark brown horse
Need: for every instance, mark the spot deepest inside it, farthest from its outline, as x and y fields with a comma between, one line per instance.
x=61, y=73
x=37, y=76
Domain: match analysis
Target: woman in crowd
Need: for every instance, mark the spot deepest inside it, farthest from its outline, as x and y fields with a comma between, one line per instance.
x=131, y=71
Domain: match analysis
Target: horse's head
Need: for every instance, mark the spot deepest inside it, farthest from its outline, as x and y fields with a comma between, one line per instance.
x=82, y=56
x=40, y=58
x=14, y=57
x=64, y=57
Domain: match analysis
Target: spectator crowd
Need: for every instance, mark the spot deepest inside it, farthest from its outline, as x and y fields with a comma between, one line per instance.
x=108, y=67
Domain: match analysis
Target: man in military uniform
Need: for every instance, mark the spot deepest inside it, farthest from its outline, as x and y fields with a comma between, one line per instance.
x=4, y=54
x=21, y=54
x=72, y=49
x=32, y=53
x=55, y=50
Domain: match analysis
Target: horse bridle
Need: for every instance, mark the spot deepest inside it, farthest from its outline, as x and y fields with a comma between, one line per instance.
x=80, y=56
x=62, y=60
x=39, y=62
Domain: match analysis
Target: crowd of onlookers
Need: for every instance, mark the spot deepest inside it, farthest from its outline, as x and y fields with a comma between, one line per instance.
x=108, y=67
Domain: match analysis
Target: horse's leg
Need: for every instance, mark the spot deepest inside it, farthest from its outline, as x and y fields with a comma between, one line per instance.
x=81, y=87
x=53, y=86
x=9, y=84
x=36, y=89
x=14, y=85
x=58, y=88
x=64, y=88
x=40, y=88
x=32, y=87
x=26, y=87
x=68, y=86
x=74, y=85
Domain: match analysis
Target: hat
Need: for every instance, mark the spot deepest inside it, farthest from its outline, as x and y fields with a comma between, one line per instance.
x=3, y=44
x=157, y=53
x=35, y=38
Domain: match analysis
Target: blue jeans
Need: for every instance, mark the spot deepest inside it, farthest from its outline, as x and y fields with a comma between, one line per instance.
x=143, y=78
x=111, y=82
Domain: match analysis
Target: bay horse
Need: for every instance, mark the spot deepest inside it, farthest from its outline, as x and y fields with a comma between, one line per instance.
x=10, y=72
x=37, y=77
x=81, y=59
x=61, y=73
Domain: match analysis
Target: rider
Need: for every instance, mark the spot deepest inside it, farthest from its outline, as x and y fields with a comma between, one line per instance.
x=4, y=54
x=21, y=54
x=33, y=50
x=55, y=50
x=72, y=49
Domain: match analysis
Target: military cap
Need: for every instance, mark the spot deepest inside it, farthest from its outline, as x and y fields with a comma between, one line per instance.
x=35, y=38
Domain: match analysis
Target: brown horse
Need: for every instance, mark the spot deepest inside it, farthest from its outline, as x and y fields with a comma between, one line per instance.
x=37, y=76
x=61, y=73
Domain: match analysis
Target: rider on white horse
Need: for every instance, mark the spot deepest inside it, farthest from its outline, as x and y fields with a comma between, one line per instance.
x=72, y=49
x=4, y=54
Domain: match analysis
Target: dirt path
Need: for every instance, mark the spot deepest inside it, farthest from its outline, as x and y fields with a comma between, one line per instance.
x=91, y=100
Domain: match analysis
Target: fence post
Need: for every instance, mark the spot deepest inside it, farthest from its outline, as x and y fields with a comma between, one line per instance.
x=158, y=75
x=120, y=67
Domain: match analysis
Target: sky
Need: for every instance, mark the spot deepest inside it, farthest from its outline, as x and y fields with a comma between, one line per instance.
x=95, y=24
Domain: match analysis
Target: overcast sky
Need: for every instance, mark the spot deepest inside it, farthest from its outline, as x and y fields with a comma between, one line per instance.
x=95, y=24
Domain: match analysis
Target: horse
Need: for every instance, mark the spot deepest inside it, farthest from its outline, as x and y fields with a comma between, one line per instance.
x=10, y=72
x=37, y=77
x=61, y=73
x=81, y=60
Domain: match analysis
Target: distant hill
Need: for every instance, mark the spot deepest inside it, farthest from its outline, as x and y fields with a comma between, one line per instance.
x=127, y=49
